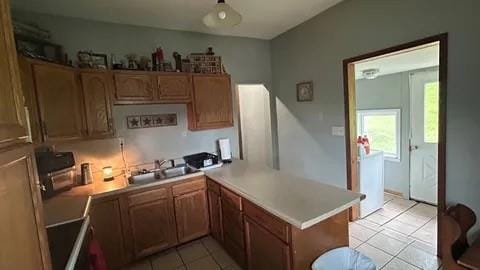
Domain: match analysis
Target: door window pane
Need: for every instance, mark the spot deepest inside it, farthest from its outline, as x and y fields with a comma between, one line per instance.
x=431, y=106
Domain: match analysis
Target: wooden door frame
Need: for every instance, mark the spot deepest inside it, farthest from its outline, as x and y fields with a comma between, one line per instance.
x=350, y=116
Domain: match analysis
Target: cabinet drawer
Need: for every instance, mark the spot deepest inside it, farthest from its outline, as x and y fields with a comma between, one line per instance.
x=231, y=198
x=236, y=252
x=147, y=196
x=267, y=220
x=189, y=186
x=234, y=232
x=232, y=215
x=213, y=186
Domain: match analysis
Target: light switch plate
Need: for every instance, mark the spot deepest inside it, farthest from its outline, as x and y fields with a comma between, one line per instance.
x=338, y=131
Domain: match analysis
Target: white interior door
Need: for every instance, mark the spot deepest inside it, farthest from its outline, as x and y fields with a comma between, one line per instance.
x=424, y=106
x=256, y=135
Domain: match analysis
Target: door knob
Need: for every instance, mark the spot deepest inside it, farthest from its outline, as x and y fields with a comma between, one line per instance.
x=413, y=147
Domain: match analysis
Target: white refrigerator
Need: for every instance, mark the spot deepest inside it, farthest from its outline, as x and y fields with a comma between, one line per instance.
x=371, y=180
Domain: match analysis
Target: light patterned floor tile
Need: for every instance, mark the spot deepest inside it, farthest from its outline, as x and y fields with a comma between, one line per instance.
x=192, y=251
x=378, y=219
x=401, y=227
x=166, y=261
x=388, y=197
x=397, y=264
x=211, y=244
x=354, y=242
x=419, y=258
x=426, y=235
x=422, y=209
x=369, y=224
x=417, y=221
x=222, y=258
x=206, y=263
x=388, y=212
x=386, y=243
x=140, y=265
x=379, y=257
x=428, y=247
x=397, y=235
x=394, y=206
x=360, y=232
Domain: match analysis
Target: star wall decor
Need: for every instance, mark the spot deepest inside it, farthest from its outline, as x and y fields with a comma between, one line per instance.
x=151, y=121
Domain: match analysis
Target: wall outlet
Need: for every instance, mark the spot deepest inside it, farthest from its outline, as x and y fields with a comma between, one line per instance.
x=338, y=131
x=121, y=141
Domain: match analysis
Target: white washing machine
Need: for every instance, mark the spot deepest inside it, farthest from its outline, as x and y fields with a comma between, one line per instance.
x=371, y=180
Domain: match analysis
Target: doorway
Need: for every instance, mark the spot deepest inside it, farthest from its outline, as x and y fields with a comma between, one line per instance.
x=255, y=124
x=424, y=105
x=428, y=174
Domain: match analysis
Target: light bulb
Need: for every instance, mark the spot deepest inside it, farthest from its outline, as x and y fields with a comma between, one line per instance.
x=222, y=15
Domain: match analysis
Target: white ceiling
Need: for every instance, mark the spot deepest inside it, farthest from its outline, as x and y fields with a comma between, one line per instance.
x=261, y=19
x=426, y=56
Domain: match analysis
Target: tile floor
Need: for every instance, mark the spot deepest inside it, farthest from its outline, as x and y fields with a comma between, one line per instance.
x=402, y=235
x=203, y=254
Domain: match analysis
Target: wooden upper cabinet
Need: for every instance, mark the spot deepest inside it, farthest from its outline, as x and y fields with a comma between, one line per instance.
x=264, y=250
x=59, y=102
x=97, y=89
x=191, y=214
x=12, y=119
x=134, y=87
x=174, y=87
x=212, y=102
x=106, y=219
x=152, y=227
x=23, y=236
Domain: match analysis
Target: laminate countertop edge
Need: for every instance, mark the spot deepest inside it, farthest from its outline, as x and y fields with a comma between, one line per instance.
x=302, y=224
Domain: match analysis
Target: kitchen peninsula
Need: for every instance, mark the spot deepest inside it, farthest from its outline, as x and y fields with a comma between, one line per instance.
x=265, y=219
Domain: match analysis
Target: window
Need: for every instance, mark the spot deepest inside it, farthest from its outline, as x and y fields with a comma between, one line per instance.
x=431, y=106
x=383, y=130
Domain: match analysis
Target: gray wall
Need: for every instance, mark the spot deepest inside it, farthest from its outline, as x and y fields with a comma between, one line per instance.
x=246, y=59
x=315, y=51
x=390, y=92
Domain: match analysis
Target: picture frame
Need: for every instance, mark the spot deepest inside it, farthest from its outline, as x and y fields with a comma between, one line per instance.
x=99, y=60
x=305, y=91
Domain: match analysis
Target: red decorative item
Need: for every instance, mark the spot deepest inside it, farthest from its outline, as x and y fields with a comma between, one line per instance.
x=97, y=259
x=366, y=144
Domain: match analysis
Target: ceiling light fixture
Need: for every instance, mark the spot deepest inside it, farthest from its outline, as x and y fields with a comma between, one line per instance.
x=222, y=16
x=371, y=73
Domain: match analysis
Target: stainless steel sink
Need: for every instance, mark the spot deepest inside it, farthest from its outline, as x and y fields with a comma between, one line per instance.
x=147, y=176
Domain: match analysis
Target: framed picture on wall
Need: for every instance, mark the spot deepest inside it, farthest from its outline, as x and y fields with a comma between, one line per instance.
x=305, y=91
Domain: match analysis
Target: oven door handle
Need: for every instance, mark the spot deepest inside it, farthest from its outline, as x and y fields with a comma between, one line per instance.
x=64, y=171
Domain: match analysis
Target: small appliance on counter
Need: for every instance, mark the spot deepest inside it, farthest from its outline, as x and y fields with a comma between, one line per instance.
x=202, y=161
x=225, y=150
x=56, y=171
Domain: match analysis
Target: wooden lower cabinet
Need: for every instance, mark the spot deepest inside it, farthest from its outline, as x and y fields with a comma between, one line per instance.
x=106, y=219
x=215, y=209
x=152, y=227
x=191, y=214
x=23, y=237
x=264, y=250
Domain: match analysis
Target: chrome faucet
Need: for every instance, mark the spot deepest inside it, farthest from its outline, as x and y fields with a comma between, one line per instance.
x=159, y=163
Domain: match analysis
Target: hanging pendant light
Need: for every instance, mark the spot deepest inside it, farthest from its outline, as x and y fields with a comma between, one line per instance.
x=222, y=16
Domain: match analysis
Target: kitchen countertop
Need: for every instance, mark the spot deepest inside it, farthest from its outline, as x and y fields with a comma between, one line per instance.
x=120, y=185
x=65, y=209
x=296, y=200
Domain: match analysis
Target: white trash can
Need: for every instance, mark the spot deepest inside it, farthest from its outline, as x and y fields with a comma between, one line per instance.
x=343, y=258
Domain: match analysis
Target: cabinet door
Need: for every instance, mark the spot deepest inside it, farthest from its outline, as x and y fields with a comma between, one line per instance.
x=152, y=226
x=97, y=92
x=22, y=231
x=212, y=102
x=131, y=88
x=11, y=103
x=174, y=88
x=264, y=250
x=59, y=102
x=107, y=227
x=191, y=214
x=214, y=206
